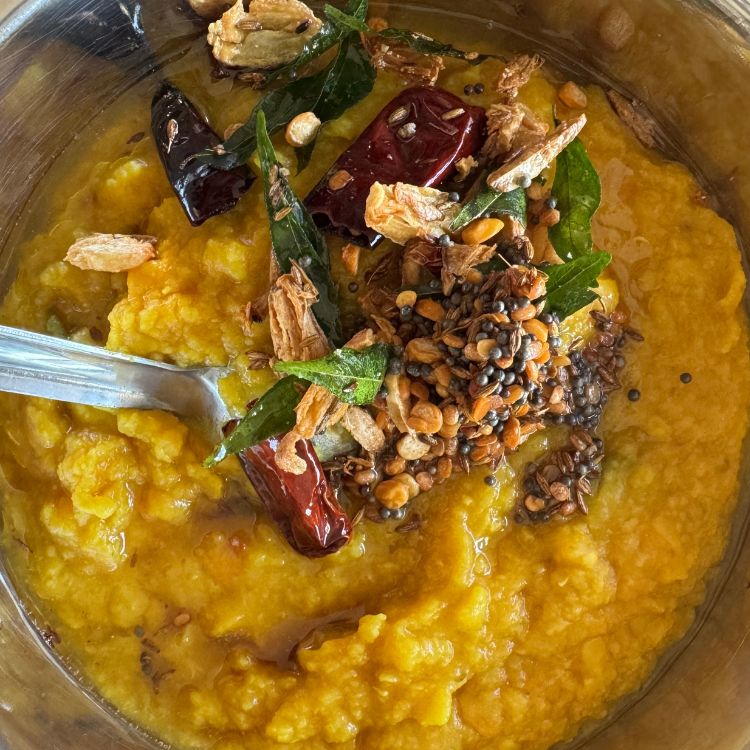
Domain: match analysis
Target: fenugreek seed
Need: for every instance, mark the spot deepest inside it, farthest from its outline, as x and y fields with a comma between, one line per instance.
x=182, y=619
x=284, y=212
x=365, y=476
x=481, y=230
x=172, y=130
x=339, y=180
x=537, y=328
x=451, y=415
x=406, y=298
x=533, y=504
x=452, y=114
x=394, y=466
x=407, y=130
x=420, y=391
x=430, y=309
x=524, y=313
x=455, y=342
x=398, y=115
x=486, y=347
x=559, y=491
x=424, y=480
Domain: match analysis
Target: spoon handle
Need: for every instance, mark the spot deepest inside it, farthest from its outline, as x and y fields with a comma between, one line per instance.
x=33, y=364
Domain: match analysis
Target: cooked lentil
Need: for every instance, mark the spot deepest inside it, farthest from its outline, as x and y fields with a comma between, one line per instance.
x=517, y=640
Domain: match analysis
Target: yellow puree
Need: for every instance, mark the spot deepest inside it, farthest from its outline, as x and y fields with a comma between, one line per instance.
x=473, y=632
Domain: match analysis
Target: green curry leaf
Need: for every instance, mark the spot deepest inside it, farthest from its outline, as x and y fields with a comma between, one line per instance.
x=344, y=20
x=349, y=79
x=294, y=235
x=429, y=46
x=354, y=376
x=570, y=286
x=578, y=193
x=346, y=80
x=413, y=39
x=272, y=414
x=329, y=35
x=488, y=202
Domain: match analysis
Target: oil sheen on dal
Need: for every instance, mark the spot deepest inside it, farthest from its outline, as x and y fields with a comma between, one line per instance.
x=472, y=632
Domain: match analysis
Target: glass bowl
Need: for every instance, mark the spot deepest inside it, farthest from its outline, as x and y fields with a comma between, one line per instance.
x=689, y=62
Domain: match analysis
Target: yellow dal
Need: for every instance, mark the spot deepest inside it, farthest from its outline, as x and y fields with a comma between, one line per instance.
x=475, y=633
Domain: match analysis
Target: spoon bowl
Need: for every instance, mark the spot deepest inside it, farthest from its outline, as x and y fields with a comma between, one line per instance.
x=33, y=364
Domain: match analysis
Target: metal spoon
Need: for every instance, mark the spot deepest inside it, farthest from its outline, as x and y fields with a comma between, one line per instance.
x=36, y=365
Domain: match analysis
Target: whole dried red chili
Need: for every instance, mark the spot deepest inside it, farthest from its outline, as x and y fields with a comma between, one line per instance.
x=304, y=506
x=417, y=138
x=180, y=133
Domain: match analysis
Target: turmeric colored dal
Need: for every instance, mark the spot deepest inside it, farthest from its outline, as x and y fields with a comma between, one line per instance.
x=468, y=632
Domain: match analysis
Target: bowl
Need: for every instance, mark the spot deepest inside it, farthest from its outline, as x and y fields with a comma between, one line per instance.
x=63, y=61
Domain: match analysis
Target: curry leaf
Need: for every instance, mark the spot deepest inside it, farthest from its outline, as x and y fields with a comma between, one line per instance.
x=346, y=80
x=578, y=193
x=418, y=42
x=428, y=46
x=294, y=235
x=354, y=376
x=329, y=35
x=349, y=80
x=489, y=202
x=272, y=414
x=345, y=20
x=570, y=285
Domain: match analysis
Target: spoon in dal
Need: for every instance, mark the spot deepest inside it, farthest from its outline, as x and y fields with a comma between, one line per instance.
x=33, y=364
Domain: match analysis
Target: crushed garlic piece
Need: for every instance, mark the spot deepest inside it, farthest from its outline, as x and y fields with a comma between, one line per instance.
x=464, y=167
x=363, y=429
x=510, y=127
x=265, y=37
x=517, y=74
x=458, y=260
x=402, y=212
x=534, y=159
x=413, y=67
x=111, y=252
x=295, y=332
x=634, y=116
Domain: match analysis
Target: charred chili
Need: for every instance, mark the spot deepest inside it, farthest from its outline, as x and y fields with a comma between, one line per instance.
x=303, y=506
x=180, y=133
x=417, y=138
